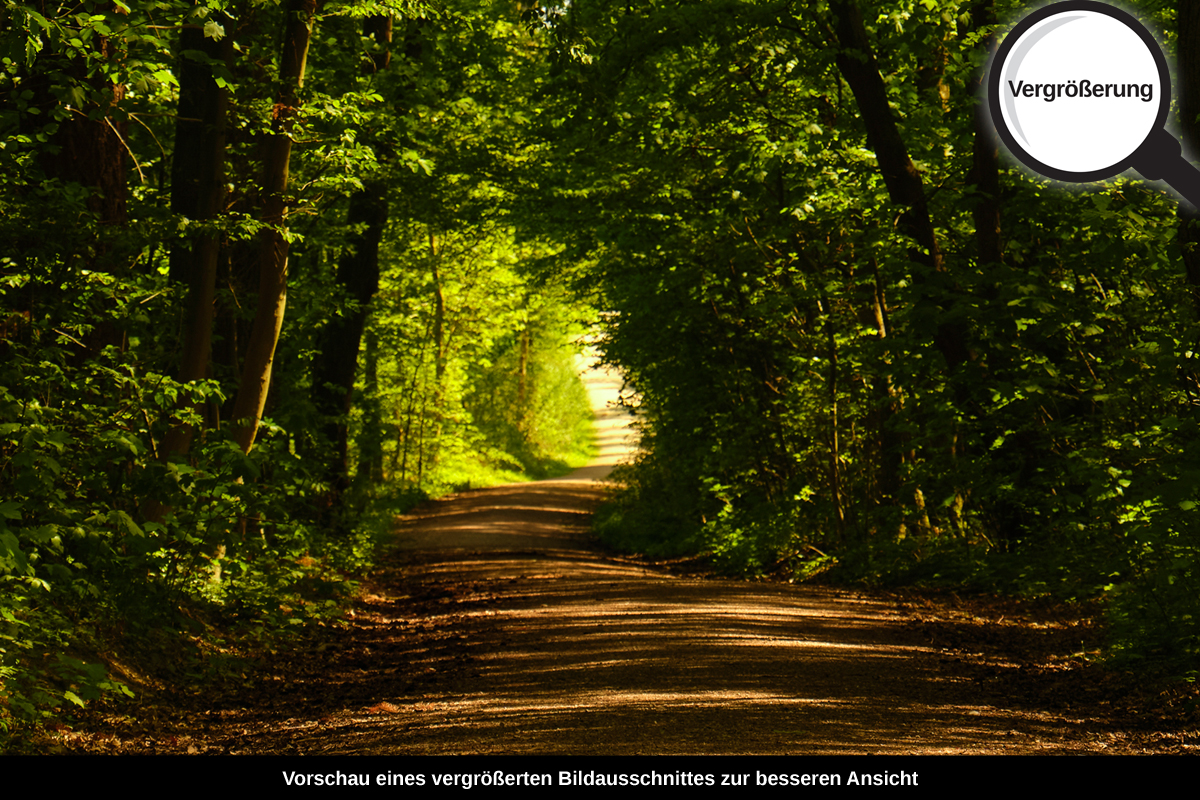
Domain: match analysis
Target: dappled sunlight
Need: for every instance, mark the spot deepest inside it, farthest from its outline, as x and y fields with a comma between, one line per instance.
x=502, y=630
x=577, y=653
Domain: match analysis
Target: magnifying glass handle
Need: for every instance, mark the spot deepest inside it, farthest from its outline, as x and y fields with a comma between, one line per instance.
x=1160, y=158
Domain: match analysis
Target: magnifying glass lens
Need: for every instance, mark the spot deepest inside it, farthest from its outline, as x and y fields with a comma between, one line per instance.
x=1080, y=92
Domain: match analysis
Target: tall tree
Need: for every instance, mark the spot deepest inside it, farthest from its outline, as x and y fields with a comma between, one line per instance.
x=358, y=276
x=198, y=194
x=299, y=19
x=856, y=61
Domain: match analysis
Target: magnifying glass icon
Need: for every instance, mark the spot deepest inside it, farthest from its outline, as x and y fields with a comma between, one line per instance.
x=1079, y=91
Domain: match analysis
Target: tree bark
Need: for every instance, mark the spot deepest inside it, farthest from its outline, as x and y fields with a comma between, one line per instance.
x=358, y=275
x=985, y=176
x=333, y=380
x=198, y=193
x=379, y=28
x=884, y=408
x=985, y=161
x=90, y=152
x=255, y=382
x=856, y=61
x=89, y=148
x=370, y=470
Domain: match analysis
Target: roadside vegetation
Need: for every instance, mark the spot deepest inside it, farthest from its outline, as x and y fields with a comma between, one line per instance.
x=273, y=272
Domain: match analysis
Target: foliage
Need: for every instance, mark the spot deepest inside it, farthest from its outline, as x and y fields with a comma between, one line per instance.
x=130, y=509
x=842, y=367
x=481, y=368
x=815, y=393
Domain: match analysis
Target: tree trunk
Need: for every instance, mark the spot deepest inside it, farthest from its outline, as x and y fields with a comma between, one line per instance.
x=835, y=467
x=333, y=380
x=884, y=407
x=91, y=151
x=198, y=193
x=439, y=317
x=255, y=382
x=856, y=61
x=985, y=162
x=358, y=275
x=88, y=148
x=379, y=28
x=370, y=468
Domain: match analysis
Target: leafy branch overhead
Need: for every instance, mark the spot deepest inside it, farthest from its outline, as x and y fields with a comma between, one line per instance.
x=271, y=271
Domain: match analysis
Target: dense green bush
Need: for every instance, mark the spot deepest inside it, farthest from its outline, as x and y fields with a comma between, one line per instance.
x=820, y=393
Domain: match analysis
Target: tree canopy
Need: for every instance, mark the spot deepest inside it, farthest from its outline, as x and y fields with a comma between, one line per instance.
x=267, y=266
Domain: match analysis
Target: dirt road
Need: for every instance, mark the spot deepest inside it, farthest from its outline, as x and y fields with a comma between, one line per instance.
x=498, y=627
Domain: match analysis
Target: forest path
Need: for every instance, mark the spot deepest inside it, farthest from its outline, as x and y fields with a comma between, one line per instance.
x=560, y=649
x=498, y=627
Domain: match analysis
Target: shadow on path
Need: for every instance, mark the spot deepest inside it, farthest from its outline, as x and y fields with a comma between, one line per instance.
x=499, y=627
